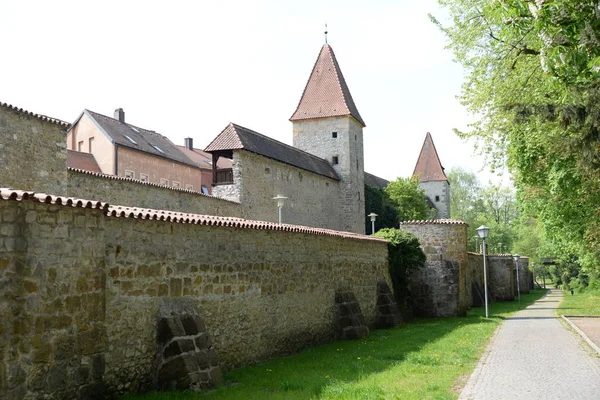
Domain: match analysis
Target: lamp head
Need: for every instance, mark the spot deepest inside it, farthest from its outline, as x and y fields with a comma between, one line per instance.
x=516, y=257
x=280, y=200
x=373, y=216
x=483, y=231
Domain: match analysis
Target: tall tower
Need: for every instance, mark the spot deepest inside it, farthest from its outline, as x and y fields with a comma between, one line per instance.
x=432, y=178
x=328, y=125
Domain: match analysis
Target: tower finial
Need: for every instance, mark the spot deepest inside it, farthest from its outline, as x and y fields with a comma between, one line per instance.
x=325, y=33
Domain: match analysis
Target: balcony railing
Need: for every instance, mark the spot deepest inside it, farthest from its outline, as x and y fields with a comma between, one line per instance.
x=223, y=177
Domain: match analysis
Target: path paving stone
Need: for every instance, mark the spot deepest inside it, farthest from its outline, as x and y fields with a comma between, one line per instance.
x=534, y=356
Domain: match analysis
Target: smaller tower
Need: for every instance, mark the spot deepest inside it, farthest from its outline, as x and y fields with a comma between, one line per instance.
x=432, y=178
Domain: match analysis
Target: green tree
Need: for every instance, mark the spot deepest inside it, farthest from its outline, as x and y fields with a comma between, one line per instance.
x=533, y=80
x=409, y=199
x=378, y=202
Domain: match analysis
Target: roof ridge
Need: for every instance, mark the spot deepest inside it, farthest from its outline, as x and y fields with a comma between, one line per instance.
x=282, y=143
x=42, y=117
x=125, y=123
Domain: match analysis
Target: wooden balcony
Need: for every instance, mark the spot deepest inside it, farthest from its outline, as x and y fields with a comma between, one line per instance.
x=223, y=176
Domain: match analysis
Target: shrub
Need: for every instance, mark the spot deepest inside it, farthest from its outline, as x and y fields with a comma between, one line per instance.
x=405, y=256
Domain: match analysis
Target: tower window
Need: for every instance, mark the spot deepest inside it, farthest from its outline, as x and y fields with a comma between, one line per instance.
x=437, y=198
x=335, y=160
x=334, y=135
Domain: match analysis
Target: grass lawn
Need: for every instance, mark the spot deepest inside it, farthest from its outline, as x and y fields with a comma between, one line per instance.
x=580, y=304
x=427, y=359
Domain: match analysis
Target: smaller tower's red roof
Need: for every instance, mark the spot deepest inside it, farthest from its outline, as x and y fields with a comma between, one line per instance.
x=326, y=93
x=429, y=168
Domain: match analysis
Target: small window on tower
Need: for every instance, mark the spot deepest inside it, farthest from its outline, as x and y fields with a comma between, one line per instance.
x=334, y=135
x=335, y=160
x=437, y=198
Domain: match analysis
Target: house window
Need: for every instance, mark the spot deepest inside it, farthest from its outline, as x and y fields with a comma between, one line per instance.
x=204, y=189
x=334, y=135
x=129, y=174
x=80, y=146
x=335, y=160
x=164, y=182
x=177, y=185
x=144, y=177
x=91, y=141
x=437, y=198
x=189, y=187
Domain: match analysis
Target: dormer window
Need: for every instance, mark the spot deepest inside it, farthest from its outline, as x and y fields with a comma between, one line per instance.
x=133, y=128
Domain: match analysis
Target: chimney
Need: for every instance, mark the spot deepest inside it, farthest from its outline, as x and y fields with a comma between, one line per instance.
x=189, y=143
x=120, y=115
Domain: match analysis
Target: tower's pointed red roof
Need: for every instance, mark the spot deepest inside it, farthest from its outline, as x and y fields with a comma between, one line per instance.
x=429, y=168
x=326, y=93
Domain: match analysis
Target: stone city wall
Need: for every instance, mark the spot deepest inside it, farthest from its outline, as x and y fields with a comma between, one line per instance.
x=312, y=199
x=502, y=280
x=81, y=293
x=439, y=288
x=474, y=280
x=119, y=190
x=36, y=146
x=525, y=276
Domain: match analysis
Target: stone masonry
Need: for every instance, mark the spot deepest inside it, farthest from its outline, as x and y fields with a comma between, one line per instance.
x=185, y=358
x=439, y=289
x=35, y=146
x=80, y=292
x=350, y=323
x=502, y=280
x=388, y=313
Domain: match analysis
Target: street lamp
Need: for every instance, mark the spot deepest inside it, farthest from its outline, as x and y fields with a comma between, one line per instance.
x=483, y=232
x=516, y=258
x=373, y=217
x=280, y=202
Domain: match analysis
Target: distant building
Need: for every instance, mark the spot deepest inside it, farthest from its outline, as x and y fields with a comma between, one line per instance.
x=129, y=151
x=432, y=178
x=83, y=161
x=203, y=160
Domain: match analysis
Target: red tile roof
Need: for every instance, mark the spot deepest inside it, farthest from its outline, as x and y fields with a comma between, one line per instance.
x=39, y=116
x=429, y=168
x=83, y=161
x=177, y=217
x=326, y=93
x=434, y=222
x=19, y=195
x=122, y=178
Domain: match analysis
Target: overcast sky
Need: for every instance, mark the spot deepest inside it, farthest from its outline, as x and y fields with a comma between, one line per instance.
x=186, y=68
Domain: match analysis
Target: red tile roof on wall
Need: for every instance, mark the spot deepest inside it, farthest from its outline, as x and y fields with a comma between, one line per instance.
x=177, y=217
x=19, y=195
x=236, y=137
x=39, y=116
x=429, y=168
x=434, y=222
x=122, y=178
x=83, y=161
x=326, y=93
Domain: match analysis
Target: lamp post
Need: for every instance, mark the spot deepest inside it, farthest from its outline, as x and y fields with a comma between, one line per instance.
x=516, y=258
x=373, y=217
x=483, y=232
x=280, y=202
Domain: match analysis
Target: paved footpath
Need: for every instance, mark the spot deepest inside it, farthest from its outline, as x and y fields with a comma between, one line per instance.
x=534, y=356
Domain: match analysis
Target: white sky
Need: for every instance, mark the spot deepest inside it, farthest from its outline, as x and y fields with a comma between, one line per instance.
x=186, y=68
